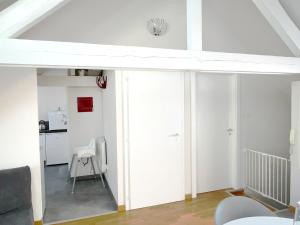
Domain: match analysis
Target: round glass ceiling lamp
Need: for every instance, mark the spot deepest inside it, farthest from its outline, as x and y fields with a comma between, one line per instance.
x=157, y=26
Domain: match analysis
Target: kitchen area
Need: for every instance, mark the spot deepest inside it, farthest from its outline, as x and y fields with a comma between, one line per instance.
x=70, y=118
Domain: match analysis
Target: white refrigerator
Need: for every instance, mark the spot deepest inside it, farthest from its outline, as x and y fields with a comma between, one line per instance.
x=57, y=141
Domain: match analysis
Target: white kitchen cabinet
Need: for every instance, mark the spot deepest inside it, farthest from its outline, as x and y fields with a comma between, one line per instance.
x=57, y=148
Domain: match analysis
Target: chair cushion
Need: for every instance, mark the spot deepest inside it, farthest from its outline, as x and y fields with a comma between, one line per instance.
x=15, y=189
x=85, y=153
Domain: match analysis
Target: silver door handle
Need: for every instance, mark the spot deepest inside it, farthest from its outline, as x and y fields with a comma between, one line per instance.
x=229, y=131
x=174, y=135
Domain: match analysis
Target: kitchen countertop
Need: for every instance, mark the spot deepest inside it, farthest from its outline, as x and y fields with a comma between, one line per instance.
x=53, y=131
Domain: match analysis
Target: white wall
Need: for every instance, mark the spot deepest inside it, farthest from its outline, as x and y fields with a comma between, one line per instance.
x=237, y=26
x=49, y=99
x=62, y=80
x=5, y=3
x=19, y=137
x=228, y=26
x=110, y=133
x=265, y=114
x=265, y=107
x=295, y=148
x=115, y=22
x=84, y=125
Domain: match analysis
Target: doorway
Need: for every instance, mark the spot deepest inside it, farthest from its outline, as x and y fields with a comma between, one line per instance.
x=60, y=97
x=216, y=131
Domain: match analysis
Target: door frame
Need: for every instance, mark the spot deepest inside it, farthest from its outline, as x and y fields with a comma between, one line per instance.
x=235, y=155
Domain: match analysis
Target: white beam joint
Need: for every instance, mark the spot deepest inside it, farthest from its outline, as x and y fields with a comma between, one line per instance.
x=194, y=24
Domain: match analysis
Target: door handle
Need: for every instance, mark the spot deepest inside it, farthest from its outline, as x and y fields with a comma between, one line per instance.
x=174, y=135
x=229, y=131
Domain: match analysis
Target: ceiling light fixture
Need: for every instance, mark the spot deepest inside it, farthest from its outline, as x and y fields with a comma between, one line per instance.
x=157, y=26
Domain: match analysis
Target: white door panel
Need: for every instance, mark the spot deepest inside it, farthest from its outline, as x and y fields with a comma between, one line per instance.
x=213, y=112
x=155, y=113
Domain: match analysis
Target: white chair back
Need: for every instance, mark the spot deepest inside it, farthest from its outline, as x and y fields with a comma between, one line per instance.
x=92, y=144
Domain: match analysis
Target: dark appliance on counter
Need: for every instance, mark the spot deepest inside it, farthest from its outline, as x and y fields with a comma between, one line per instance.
x=43, y=125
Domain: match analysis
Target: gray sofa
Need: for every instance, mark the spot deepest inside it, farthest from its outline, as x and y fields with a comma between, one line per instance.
x=15, y=197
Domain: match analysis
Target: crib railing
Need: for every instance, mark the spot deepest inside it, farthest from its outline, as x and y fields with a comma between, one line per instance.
x=268, y=175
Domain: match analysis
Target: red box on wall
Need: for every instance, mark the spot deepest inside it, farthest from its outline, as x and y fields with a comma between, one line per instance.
x=85, y=104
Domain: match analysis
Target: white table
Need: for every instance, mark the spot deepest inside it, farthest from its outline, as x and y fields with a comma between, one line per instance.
x=261, y=221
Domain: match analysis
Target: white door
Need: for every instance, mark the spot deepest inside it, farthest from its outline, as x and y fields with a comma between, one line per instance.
x=214, y=112
x=155, y=125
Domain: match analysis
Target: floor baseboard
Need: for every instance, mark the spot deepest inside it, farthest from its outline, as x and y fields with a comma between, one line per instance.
x=188, y=197
x=292, y=209
x=121, y=208
x=39, y=222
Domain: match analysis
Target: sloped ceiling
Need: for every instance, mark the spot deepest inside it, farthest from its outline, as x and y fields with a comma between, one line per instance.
x=114, y=22
x=238, y=26
x=228, y=26
x=292, y=7
x=5, y=3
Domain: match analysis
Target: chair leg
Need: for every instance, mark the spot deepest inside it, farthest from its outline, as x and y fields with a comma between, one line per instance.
x=93, y=167
x=71, y=166
x=75, y=176
x=101, y=176
x=102, y=180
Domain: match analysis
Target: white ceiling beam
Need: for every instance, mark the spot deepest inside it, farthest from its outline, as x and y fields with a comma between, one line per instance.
x=24, y=14
x=48, y=54
x=194, y=24
x=275, y=14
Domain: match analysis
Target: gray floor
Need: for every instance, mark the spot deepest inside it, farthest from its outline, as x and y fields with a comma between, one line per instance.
x=89, y=199
x=282, y=210
x=285, y=213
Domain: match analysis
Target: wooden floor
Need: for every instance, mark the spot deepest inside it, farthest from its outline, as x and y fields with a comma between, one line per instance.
x=199, y=211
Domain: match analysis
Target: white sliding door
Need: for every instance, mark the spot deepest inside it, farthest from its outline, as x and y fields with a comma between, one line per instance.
x=214, y=115
x=155, y=124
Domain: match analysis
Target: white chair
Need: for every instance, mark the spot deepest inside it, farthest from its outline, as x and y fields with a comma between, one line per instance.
x=85, y=152
x=237, y=207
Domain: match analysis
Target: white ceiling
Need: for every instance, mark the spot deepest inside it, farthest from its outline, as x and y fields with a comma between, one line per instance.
x=292, y=7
